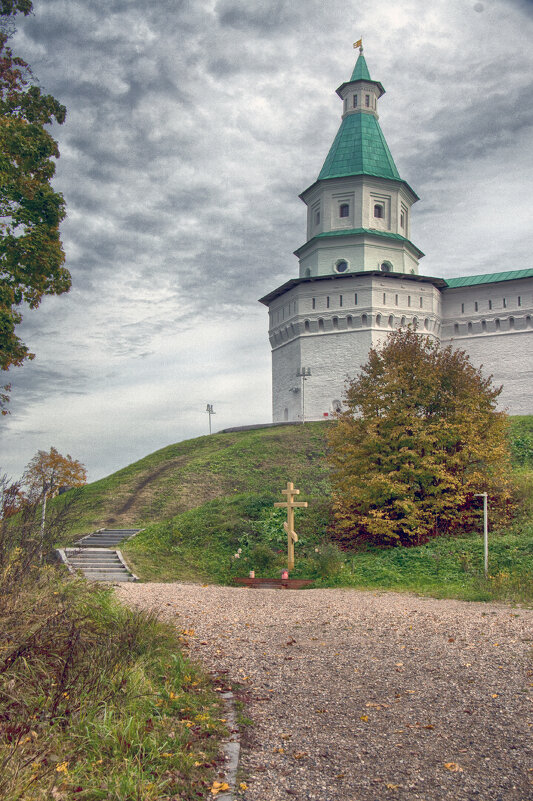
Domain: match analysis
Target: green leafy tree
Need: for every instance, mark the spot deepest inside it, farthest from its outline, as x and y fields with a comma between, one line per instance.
x=419, y=438
x=31, y=255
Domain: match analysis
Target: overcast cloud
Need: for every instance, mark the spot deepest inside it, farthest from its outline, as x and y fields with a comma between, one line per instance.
x=192, y=126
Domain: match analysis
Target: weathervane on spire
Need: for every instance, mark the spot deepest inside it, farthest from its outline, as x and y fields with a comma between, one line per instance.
x=359, y=44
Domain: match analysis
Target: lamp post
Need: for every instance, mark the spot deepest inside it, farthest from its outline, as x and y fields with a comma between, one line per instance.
x=485, y=531
x=210, y=411
x=304, y=373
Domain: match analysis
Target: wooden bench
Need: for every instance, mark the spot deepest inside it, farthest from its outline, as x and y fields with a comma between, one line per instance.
x=274, y=583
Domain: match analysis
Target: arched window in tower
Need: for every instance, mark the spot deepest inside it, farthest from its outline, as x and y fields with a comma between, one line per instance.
x=403, y=322
x=307, y=326
x=308, y=272
x=386, y=267
x=498, y=325
x=378, y=319
x=469, y=328
x=484, y=325
x=426, y=324
x=335, y=322
x=391, y=321
x=378, y=211
x=349, y=321
x=364, y=320
x=321, y=324
x=344, y=210
x=341, y=266
x=511, y=322
x=367, y=101
x=355, y=101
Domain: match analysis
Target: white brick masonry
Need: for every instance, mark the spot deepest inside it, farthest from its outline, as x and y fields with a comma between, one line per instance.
x=328, y=325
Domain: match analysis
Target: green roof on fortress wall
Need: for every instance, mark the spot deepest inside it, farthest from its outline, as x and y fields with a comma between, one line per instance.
x=488, y=278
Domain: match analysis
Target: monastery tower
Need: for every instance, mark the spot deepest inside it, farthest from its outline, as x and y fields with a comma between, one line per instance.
x=358, y=279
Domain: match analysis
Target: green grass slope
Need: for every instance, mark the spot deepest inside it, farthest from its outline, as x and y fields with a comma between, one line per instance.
x=203, y=501
x=189, y=474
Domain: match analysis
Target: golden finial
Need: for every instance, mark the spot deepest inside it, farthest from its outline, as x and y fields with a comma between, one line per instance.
x=359, y=44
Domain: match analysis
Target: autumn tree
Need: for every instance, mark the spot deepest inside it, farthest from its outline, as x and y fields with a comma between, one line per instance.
x=47, y=473
x=420, y=437
x=31, y=255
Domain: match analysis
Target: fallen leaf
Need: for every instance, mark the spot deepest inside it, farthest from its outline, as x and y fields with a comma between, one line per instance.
x=494, y=695
x=391, y=786
x=300, y=755
x=364, y=718
x=453, y=767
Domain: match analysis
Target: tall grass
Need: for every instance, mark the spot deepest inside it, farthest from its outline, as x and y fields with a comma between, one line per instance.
x=96, y=701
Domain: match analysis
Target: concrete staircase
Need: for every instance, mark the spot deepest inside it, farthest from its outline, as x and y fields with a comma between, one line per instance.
x=95, y=556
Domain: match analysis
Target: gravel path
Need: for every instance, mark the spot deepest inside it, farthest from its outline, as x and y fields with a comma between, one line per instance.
x=360, y=696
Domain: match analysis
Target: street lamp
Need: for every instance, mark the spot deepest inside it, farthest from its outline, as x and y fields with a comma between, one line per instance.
x=304, y=373
x=210, y=411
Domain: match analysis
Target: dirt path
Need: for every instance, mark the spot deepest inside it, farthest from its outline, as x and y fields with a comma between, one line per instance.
x=357, y=696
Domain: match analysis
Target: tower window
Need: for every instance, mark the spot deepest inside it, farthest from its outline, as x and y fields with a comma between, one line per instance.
x=504, y=303
x=455, y=328
x=340, y=300
x=408, y=300
x=367, y=101
x=519, y=300
x=355, y=101
x=396, y=300
x=313, y=303
x=345, y=104
x=421, y=301
x=317, y=218
x=327, y=303
x=462, y=308
x=402, y=219
x=490, y=304
x=384, y=299
x=476, y=306
x=341, y=266
x=378, y=210
x=344, y=210
x=355, y=299
x=386, y=267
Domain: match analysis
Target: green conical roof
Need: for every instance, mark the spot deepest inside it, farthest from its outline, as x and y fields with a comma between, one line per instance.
x=359, y=148
x=360, y=71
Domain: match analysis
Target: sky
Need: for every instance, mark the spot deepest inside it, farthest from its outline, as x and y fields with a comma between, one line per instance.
x=192, y=127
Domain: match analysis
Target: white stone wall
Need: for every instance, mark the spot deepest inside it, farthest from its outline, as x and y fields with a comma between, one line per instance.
x=493, y=324
x=330, y=325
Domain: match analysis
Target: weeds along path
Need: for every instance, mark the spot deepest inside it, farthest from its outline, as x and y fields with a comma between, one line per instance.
x=358, y=696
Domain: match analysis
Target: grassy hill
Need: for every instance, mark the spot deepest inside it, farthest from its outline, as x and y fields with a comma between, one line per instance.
x=202, y=500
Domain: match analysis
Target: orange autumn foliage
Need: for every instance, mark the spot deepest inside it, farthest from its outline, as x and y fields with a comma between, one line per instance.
x=420, y=436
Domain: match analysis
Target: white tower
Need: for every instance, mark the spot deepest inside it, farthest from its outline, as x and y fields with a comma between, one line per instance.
x=358, y=275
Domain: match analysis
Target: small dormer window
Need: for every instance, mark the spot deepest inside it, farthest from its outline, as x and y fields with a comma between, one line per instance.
x=344, y=210
x=378, y=210
x=367, y=101
x=355, y=101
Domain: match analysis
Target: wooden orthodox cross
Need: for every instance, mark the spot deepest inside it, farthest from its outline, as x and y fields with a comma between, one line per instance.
x=288, y=525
